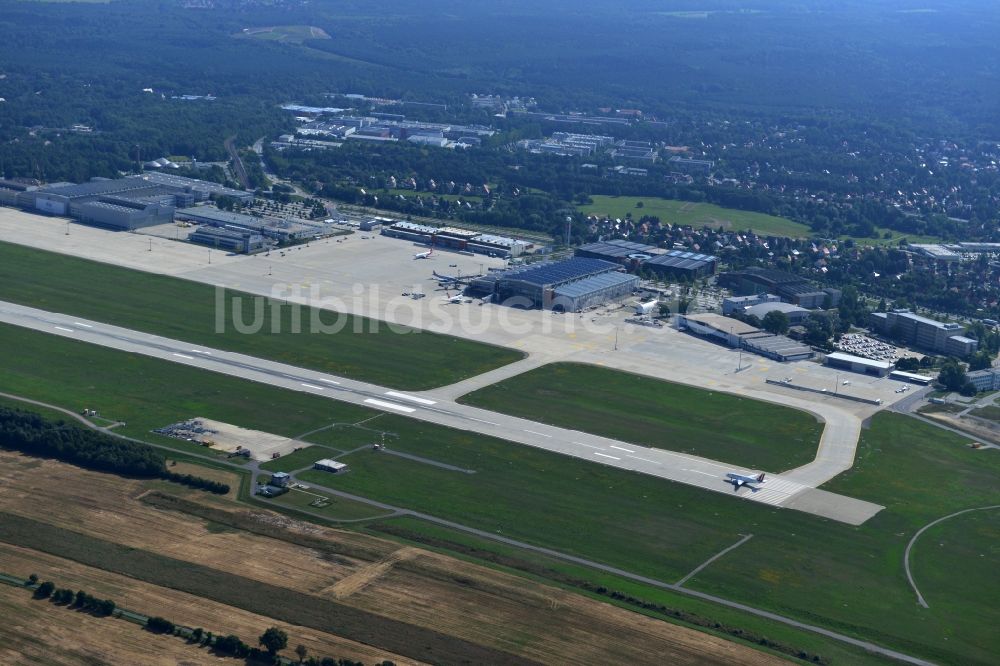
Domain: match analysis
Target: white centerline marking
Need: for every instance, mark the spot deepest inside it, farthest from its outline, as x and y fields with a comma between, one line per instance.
x=589, y=446
x=389, y=405
x=315, y=388
x=63, y=328
x=411, y=398
x=473, y=418
x=604, y=455
x=621, y=449
x=190, y=358
x=645, y=460
x=540, y=434
x=77, y=323
x=699, y=472
x=198, y=351
x=329, y=381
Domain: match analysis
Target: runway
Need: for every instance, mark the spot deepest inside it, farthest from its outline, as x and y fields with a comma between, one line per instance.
x=440, y=408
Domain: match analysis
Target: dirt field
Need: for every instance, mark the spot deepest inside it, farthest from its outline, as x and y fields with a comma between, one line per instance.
x=171, y=604
x=410, y=585
x=41, y=634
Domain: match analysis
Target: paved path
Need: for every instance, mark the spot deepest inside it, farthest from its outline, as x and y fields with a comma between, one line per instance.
x=399, y=511
x=909, y=547
x=704, y=564
x=432, y=407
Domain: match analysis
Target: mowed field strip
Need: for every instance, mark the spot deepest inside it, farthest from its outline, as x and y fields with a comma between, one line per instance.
x=656, y=413
x=181, y=309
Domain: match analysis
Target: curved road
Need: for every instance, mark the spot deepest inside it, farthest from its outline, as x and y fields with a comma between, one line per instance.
x=865, y=645
x=909, y=546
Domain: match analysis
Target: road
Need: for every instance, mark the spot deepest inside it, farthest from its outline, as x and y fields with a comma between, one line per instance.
x=440, y=408
x=238, y=168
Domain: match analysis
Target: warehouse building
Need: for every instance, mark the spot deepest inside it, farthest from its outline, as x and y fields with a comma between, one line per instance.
x=462, y=240
x=328, y=465
x=233, y=240
x=739, y=335
x=865, y=366
x=624, y=252
x=737, y=304
x=681, y=264
x=789, y=287
x=570, y=285
x=796, y=315
x=281, y=231
x=913, y=329
x=123, y=214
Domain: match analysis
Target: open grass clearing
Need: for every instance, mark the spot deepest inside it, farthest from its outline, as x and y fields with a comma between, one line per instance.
x=186, y=310
x=657, y=413
x=695, y=214
x=797, y=564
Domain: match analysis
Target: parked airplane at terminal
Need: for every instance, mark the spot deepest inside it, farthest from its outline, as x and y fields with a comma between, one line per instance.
x=739, y=480
x=424, y=255
x=457, y=298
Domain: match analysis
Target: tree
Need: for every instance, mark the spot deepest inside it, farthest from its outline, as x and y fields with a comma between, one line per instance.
x=160, y=625
x=301, y=651
x=273, y=640
x=45, y=590
x=664, y=310
x=952, y=376
x=968, y=389
x=32, y=579
x=980, y=360
x=775, y=322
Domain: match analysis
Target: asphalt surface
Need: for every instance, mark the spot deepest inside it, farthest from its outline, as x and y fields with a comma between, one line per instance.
x=441, y=409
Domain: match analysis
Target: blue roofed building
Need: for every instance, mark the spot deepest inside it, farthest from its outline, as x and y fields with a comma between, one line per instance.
x=569, y=285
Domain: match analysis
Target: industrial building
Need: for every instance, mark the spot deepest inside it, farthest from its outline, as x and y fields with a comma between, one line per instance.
x=328, y=465
x=233, y=240
x=123, y=204
x=913, y=329
x=281, y=231
x=865, y=366
x=681, y=264
x=737, y=334
x=570, y=285
x=737, y=304
x=789, y=287
x=454, y=238
x=796, y=315
x=628, y=254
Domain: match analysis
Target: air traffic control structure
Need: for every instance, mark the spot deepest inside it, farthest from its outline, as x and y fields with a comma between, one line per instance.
x=571, y=285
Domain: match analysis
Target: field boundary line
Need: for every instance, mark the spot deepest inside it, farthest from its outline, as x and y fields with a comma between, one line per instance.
x=913, y=541
x=719, y=554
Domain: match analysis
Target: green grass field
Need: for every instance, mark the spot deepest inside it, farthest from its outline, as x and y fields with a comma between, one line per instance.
x=333, y=508
x=185, y=310
x=847, y=578
x=697, y=215
x=657, y=413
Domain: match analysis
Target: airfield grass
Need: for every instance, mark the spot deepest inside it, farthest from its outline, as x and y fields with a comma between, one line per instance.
x=847, y=578
x=185, y=310
x=337, y=508
x=697, y=215
x=656, y=413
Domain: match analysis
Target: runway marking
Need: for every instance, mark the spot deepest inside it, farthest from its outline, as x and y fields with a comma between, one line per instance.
x=473, y=418
x=198, y=351
x=317, y=388
x=63, y=328
x=190, y=358
x=621, y=448
x=645, y=460
x=604, y=455
x=390, y=405
x=589, y=446
x=78, y=323
x=697, y=471
x=540, y=434
x=329, y=381
x=411, y=398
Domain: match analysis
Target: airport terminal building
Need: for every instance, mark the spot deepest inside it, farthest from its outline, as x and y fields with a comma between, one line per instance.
x=740, y=335
x=571, y=285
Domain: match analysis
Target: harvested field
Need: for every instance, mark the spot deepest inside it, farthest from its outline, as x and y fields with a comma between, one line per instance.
x=78, y=639
x=177, y=606
x=331, y=580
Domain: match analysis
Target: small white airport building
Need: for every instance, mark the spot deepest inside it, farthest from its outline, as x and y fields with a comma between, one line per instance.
x=328, y=465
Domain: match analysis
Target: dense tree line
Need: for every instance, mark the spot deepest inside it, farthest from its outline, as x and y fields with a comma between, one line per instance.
x=34, y=435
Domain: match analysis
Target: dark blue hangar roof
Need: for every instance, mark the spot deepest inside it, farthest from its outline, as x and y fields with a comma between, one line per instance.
x=560, y=272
